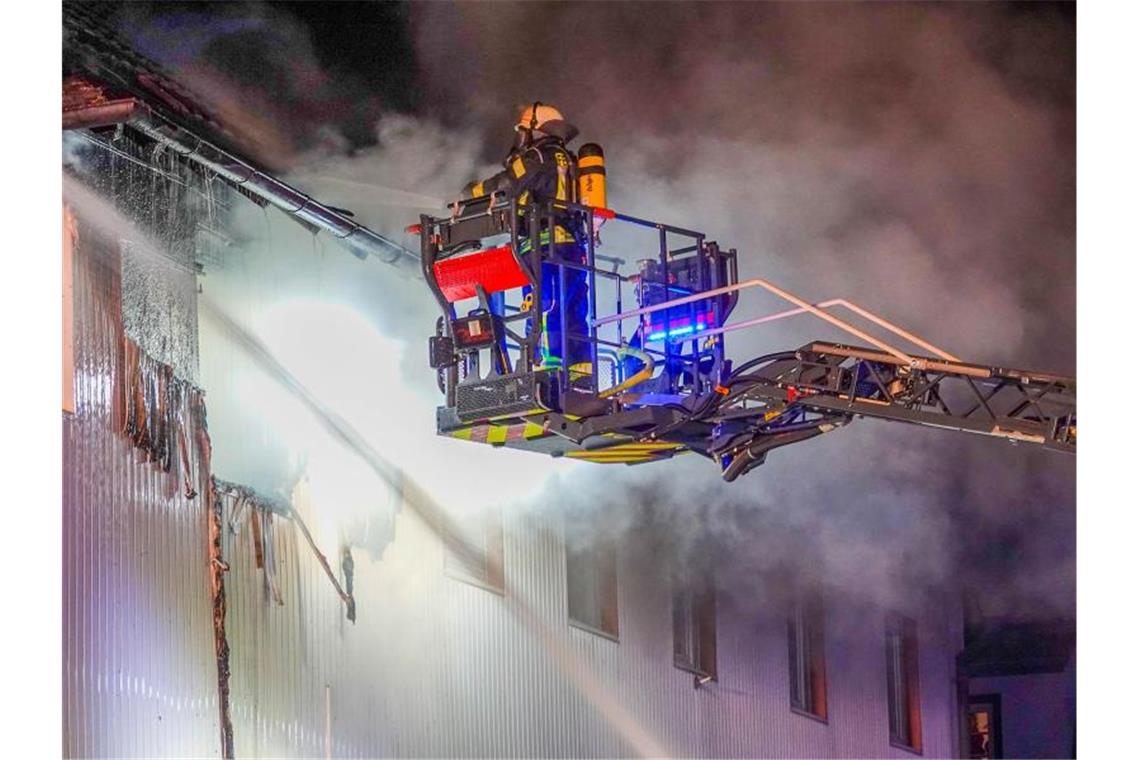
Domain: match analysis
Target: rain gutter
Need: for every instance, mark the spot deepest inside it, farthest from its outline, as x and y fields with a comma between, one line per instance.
x=360, y=240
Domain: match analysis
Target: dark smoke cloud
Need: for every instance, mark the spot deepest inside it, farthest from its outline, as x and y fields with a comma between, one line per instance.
x=286, y=77
x=918, y=159
x=843, y=147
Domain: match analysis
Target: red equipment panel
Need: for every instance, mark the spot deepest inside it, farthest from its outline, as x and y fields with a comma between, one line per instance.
x=495, y=269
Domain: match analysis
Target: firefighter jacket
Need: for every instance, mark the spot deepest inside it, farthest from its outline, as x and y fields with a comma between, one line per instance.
x=540, y=172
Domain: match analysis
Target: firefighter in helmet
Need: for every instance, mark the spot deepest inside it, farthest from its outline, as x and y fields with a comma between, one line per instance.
x=538, y=169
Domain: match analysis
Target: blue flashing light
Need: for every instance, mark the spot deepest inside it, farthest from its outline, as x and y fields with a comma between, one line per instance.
x=675, y=332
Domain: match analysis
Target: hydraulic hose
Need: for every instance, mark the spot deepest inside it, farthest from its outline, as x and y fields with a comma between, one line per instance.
x=754, y=453
x=640, y=376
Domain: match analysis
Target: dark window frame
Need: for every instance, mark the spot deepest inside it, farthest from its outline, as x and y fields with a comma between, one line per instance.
x=695, y=628
x=598, y=561
x=904, y=692
x=993, y=702
x=807, y=656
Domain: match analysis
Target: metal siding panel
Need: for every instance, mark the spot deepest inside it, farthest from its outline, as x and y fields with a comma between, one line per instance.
x=136, y=610
x=472, y=682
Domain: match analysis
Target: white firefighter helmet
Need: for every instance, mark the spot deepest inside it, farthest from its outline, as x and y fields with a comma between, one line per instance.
x=544, y=119
x=536, y=115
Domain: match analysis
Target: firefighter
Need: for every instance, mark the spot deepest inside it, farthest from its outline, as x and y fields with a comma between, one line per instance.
x=538, y=169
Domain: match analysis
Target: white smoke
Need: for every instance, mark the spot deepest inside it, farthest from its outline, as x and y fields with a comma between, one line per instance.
x=915, y=159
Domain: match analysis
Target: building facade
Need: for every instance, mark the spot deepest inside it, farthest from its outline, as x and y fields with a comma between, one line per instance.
x=207, y=618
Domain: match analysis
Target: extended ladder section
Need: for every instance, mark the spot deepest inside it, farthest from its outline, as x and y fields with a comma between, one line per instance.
x=657, y=381
x=1007, y=403
x=789, y=397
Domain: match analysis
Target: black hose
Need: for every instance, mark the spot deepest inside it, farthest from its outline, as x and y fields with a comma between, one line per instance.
x=753, y=455
x=759, y=437
x=778, y=356
x=798, y=426
x=714, y=400
x=753, y=436
x=703, y=408
x=752, y=383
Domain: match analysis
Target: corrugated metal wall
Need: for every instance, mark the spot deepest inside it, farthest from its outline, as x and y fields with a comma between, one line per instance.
x=138, y=667
x=435, y=666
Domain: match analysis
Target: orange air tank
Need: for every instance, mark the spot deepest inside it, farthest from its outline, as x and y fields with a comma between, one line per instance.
x=592, y=175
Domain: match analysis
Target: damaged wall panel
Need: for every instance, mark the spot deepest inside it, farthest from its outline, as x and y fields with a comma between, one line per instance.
x=277, y=655
x=139, y=676
x=160, y=307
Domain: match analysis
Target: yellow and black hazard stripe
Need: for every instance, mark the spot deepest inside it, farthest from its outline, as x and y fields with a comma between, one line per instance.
x=629, y=453
x=498, y=434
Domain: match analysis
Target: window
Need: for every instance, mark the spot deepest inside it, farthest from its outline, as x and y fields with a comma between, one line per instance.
x=473, y=550
x=694, y=628
x=902, y=684
x=806, y=665
x=591, y=586
x=985, y=726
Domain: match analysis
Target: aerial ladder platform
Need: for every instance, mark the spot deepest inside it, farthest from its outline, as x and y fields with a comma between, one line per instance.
x=658, y=382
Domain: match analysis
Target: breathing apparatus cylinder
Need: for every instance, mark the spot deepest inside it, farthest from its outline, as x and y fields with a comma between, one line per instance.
x=592, y=175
